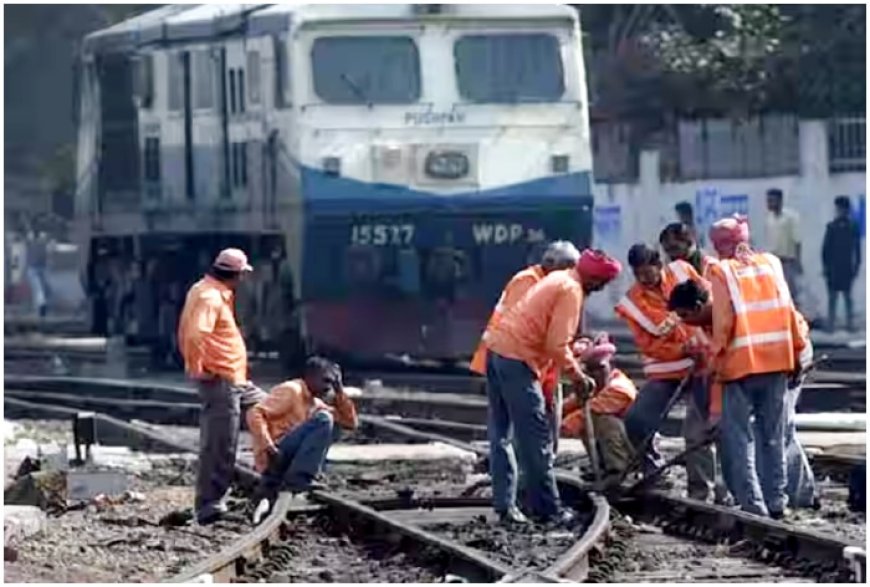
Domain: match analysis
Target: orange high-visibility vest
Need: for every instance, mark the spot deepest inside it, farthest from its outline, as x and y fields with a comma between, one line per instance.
x=515, y=289
x=658, y=334
x=763, y=337
x=615, y=399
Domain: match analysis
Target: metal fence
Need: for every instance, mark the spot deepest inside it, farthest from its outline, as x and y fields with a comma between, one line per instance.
x=847, y=144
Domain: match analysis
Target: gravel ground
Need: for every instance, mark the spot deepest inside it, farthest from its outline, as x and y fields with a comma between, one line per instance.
x=123, y=542
x=438, y=478
x=321, y=552
x=529, y=547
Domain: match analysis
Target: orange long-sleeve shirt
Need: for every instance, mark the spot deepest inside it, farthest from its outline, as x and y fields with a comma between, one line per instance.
x=287, y=406
x=208, y=336
x=513, y=292
x=614, y=399
x=540, y=327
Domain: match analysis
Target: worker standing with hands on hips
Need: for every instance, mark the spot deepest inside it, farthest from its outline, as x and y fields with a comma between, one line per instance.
x=559, y=255
x=537, y=331
x=215, y=357
x=754, y=337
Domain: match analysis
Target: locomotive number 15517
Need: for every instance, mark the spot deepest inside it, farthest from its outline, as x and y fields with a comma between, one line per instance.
x=382, y=234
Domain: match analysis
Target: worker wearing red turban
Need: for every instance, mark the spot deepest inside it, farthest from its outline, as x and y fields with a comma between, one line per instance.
x=730, y=236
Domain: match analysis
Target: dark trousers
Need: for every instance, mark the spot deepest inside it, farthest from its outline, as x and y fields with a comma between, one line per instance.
x=833, y=295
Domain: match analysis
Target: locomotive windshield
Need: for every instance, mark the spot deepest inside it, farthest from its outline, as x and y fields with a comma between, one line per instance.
x=509, y=68
x=366, y=70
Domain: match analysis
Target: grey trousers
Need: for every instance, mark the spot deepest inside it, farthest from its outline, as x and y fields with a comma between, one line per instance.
x=219, y=422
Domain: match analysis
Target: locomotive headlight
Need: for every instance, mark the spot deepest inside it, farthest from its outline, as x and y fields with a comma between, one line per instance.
x=447, y=164
x=332, y=166
x=559, y=163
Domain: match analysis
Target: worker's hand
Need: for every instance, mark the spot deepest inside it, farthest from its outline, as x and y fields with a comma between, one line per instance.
x=668, y=324
x=271, y=447
x=584, y=386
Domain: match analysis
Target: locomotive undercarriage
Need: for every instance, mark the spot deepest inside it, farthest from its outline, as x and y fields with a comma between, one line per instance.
x=137, y=286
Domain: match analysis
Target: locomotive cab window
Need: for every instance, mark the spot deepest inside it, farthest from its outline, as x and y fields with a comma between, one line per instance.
x=366, y=70
x=204, y=79
x=509, y=68
x=254, y=77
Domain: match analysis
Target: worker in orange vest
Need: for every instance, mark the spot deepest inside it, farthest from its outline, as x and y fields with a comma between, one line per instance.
x=612, y=396
x=558, y=255
x=678, y=244
x=691, y=301
x=661, y=339
x=537, y=331
x=754, y=334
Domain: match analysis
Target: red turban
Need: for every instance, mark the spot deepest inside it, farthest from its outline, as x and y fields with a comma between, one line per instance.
x=598, y=349
x=729, y=233
x=595, y=264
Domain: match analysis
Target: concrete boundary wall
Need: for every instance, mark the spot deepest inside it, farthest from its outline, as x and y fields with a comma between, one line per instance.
x=630, y=213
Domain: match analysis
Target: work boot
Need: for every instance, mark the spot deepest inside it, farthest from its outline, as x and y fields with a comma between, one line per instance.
x=512, y=516
x=565, y=518
x=779, y=514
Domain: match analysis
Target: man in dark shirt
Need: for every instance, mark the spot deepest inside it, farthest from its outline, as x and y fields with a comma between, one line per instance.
x=841, y=258
x=678, y=243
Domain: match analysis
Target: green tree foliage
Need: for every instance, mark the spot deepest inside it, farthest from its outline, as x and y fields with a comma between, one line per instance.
x=653, y=62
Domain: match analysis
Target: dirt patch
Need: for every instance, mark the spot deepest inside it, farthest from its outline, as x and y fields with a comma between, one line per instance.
x=121, y=543
x=528, y=547
x=435, y=478
x=317, y=550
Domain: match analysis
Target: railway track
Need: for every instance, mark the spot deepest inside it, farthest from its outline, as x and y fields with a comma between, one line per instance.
x=708, y=542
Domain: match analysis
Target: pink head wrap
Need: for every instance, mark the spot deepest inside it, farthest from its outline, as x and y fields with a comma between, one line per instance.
x=595, y=264
x=728, y=234
x=598, y=349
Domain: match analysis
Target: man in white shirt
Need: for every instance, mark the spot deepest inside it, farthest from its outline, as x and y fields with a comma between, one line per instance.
x=783, y=238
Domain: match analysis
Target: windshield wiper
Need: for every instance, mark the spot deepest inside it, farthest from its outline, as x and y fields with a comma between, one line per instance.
x=355, y=88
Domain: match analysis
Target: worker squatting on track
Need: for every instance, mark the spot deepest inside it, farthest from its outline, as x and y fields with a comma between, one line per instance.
x=216, y=358
x=530, y=338
x=293, y=428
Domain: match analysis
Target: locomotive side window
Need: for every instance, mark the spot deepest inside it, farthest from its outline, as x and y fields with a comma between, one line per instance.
x=152, y=159
x=143, y=81
x=203, y=80
x=509, y=68
x=282, y=80
x=239, y=156
x=232, y=75
x=240, y=76
x=176, y=82
x=254, y=77
x=366, y=70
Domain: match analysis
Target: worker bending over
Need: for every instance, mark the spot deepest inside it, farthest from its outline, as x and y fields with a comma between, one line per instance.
x=215, y=357
x=535, y=332
x=558, y=255
x=662, y=341
x=755, y=334
x=692, y=303
x=293, y=428
x=609, y=400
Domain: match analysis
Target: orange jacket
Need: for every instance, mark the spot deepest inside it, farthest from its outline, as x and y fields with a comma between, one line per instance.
x=660, y=337
x=614, y=399
x=515, y=289
x=540, y=328
x=287, y=406
x=754, y=326
x=208, y=336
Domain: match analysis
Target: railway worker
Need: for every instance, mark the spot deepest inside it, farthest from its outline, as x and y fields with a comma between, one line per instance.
x=662, y=341
x=215, y=357
x=557, y=256
x=532, y=334
x=609, y=400
x=678, y=242
x=754, y=335
x=293, y=428
x=691, y=301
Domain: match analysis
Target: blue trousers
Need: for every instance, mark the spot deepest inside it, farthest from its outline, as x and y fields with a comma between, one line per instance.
x=758, y=483
x=645, y=416
x=516, y=403
x=301, y=454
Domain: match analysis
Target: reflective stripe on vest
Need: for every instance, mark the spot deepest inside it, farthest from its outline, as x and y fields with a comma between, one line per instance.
x=679, y=271
x=772, y=269
x=632, y=310
x=652, y=367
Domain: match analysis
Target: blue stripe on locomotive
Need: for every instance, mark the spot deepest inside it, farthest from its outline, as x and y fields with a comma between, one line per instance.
x=557, y=207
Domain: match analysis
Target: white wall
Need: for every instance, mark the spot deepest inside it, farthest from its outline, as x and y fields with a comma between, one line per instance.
x=630, y=213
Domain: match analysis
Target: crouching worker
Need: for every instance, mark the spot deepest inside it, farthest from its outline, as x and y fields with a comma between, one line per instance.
x=293, y=428
x=613, y=394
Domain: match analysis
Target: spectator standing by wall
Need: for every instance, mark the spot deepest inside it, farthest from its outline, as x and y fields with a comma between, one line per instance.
x=783, y=239
x=686, y=215
x=841, y=259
